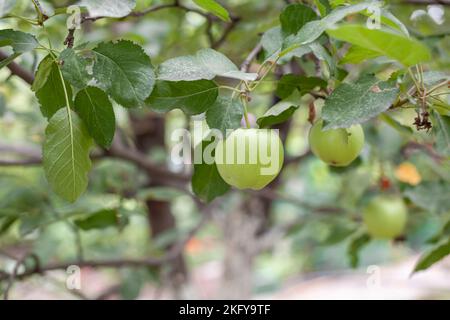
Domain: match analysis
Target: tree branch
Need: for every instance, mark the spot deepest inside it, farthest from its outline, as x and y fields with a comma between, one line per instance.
x=177, y=5
x=172, y=254
x=251, y=56
x=229, y=27
x=17, y=70
x=33, y=157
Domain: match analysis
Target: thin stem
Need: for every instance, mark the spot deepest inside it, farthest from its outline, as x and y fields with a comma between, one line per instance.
x=438, y=94
x=41, y=15
x=437, y=86
x=30, y=21
x=414, y=80
x=230, y=88
x=421, y=76
x=244, y=104
x=272, y=65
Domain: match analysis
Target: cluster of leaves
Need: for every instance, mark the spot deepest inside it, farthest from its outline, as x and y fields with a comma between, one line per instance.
x=76, y=88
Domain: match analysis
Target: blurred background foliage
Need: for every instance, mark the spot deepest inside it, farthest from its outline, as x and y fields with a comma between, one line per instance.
x=107, y=222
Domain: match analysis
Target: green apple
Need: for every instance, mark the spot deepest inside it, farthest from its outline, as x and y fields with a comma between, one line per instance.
x=337, y=147
x=385, y=217
x=250, y=158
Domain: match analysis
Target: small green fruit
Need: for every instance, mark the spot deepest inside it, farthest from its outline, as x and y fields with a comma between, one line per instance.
x=249, y=158
x=385, y=217
x=337, y=147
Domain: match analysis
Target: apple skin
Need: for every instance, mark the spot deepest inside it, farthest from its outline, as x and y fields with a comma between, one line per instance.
x=337, y=147
x=247, y=174
x=385, y=217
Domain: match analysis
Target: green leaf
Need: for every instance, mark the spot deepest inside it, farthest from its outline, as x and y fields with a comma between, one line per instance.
x=99, y=220
x=290, y=82
x=323, y=6
x=434, y=77
x=207, y=183
x=405, y=131
x=272, y=40
x=442, y=133
x=356, y=103
x=42, y=73
x=444, y=232
x=322, y=53
x=94, y=107
x=280, y=112
x=294, y=17
x=20, y=42
x=390, y=20
x=215, y=8
x=433, y=255
x=110, y=8
x=205, y=64
x=193, y=97
x=6, y=224
x=50, y=92
x=225, y=113
x=124, y=71
x=66, y=154
x=431, y=196
x=74, y=68
x=338, y=232
x=132, y=283
x=2, y=105
x=355, y=246
x=397, y=46
x=314, y=29
x=357, y=54
x=8, y=60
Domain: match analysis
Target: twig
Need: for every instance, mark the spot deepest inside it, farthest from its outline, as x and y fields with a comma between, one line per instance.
x=252, y=55
x=17, y=70
x=117, y=150
x=172, y=254
x=13, y=276
x=229, y=27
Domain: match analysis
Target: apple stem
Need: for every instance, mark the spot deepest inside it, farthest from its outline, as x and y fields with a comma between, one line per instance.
x=244, y=104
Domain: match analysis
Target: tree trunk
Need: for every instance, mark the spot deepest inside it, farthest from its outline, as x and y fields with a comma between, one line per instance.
x=240, y=232
x=149, y=131
x=242, y=229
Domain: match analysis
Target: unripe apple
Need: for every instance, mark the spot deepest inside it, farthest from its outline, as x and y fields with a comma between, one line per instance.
x=337, y=147
x=250, y=158
x=385, y=217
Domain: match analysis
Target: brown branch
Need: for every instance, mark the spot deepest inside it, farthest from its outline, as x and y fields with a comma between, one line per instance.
x=17, y=70
x=151, y=9
x=228, y=29
x=21, y=162
x=172, y=254
x=251, y=56
x=13, y=276
x=117, y=150
x=428, y=149
x=177, y=5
